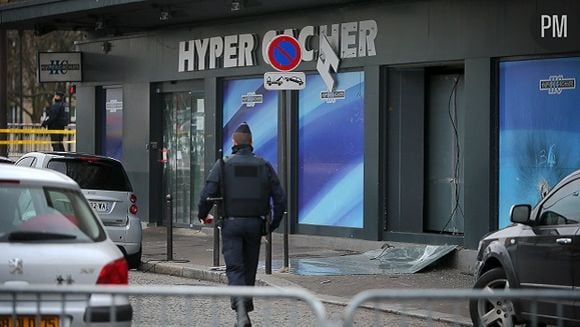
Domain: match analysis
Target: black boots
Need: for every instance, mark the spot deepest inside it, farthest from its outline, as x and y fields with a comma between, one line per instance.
x=242, y=320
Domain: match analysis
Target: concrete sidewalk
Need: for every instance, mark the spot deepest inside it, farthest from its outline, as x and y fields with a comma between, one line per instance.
x=193, y=258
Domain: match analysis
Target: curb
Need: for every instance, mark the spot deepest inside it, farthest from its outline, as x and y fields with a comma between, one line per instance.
x=461, y=259
x=204, y=273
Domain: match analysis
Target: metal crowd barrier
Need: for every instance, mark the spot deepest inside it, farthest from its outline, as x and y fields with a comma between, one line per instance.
x=157, y=305
x=186, y=305
x=24, y=138
x=422, y=304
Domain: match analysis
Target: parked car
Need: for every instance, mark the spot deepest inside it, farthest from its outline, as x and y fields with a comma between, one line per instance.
x=538, y=251
x=106, y=185
x=6, y=160
x=294, y=79
x=50, y=235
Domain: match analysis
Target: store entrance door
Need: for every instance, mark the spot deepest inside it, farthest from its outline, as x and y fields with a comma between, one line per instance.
x=445, y=121
x=183, y=153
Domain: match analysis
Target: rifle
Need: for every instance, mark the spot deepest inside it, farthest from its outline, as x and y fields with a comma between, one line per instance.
x=220, y=201
x=266, y=229
x=268, y=234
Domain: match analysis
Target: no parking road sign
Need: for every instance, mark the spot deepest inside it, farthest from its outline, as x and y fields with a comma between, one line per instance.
x=284, y=53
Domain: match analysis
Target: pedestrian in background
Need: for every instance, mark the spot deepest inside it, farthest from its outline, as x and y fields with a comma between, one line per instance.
x=56, y=119
x=247, y=183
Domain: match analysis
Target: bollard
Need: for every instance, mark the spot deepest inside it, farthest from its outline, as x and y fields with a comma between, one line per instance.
x=216, y=238
x=168, y=215
x=286, y=223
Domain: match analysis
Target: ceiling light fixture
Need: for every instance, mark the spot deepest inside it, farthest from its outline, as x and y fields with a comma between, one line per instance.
x=236, y=5
x=99, y=25
x=164, y=15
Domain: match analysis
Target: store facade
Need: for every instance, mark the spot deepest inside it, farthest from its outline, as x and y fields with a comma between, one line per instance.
x=442, y=113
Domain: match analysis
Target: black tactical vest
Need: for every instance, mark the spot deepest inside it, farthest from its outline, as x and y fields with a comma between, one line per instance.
x=246, y=186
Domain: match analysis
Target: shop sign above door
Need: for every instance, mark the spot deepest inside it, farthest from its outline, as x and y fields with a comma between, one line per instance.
x=60, y=67
x=349, y=40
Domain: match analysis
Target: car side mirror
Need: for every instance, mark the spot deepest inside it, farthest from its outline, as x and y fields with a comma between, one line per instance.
x=520, y=213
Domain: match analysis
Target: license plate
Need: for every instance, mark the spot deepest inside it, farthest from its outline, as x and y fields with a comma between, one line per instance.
x=99, y=206
x=29, y=321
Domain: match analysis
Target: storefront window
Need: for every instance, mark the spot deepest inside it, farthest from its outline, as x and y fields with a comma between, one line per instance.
x=246, y=100
x=331, y=152
x=539, y=128
x=114, y=123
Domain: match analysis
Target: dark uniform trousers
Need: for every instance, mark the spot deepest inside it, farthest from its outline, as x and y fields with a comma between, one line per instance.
x=56, y=140
x=241, y=238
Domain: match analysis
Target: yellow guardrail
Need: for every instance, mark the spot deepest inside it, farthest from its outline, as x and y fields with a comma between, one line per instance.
x=23, y=138
x=21, y=142
x=37, y=131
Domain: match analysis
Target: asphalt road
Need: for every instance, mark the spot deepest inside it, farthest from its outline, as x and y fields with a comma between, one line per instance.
x=195, y=311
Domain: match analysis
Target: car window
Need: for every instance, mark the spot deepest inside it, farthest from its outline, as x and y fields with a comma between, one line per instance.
x=562, y=207
x=93, y=174
x=26, y=162
x=46, y=211
x=25, y=205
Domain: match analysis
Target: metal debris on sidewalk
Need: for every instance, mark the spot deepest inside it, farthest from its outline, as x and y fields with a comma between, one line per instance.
x=218, y=268
x=386, y=261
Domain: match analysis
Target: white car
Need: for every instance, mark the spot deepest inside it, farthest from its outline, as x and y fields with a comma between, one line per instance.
x=105, y=184
x=49, y=235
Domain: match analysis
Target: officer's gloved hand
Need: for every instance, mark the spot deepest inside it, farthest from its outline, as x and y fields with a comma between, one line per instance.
x=207, y=220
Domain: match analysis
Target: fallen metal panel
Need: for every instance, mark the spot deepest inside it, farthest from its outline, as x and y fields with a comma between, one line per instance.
x=387, y=261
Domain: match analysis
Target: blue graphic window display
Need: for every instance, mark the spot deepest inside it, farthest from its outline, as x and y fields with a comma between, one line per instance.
x=539, y=128
x=262, y=117
x=114, y=123
x=331, y=153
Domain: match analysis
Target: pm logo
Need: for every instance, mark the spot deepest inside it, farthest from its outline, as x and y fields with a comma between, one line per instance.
x=555, y=84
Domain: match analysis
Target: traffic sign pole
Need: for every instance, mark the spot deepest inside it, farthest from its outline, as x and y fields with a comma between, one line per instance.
x=284, y=54
x=283, y=165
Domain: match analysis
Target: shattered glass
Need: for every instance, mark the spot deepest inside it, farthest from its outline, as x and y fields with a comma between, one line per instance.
x=387, y=261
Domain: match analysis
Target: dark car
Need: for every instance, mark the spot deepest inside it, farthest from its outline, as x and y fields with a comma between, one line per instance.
x=540, y=251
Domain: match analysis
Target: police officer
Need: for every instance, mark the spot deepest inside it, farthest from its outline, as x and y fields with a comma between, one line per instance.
x=249, y=182
x=56, y=119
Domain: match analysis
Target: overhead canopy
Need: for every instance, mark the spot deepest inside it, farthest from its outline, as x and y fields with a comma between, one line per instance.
x=118, y=17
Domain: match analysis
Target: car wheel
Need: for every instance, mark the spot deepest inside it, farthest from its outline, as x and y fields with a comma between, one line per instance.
x=134, y=260
x=492, y=312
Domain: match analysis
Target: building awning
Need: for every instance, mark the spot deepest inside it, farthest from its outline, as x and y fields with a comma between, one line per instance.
x=119, y=17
